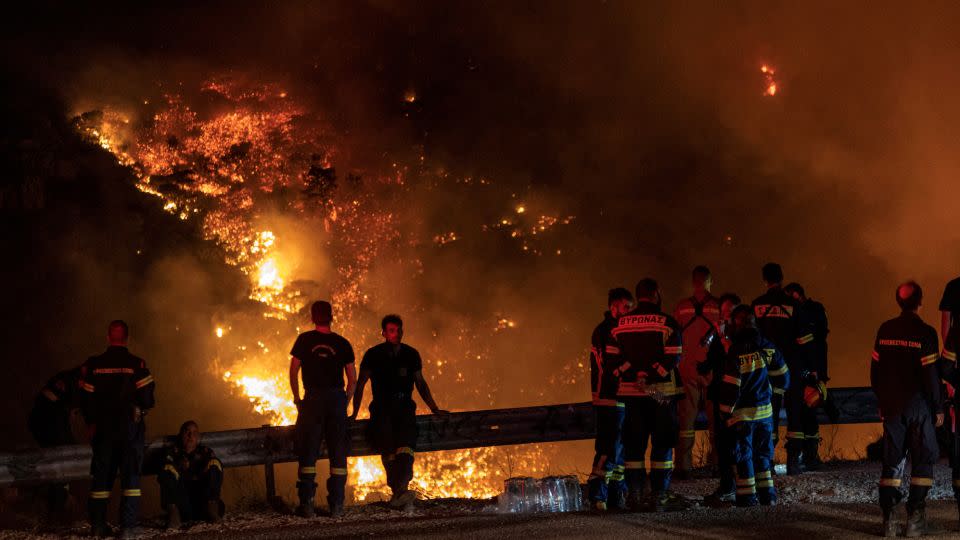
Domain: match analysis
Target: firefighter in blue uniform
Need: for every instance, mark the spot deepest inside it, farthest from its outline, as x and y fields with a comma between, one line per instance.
x=649, y=347
x=778, y=319
x=606, y=485
x=812, y=317
x=905, y=377
x=191, y=479
x=117, y=391
x=324, y=357
x=753, y=368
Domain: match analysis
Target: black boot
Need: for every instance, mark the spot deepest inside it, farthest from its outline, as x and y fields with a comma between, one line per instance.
x=794, y=466
x=306, y=508
x=916, y=523
x=889, y=525
x=811, y=454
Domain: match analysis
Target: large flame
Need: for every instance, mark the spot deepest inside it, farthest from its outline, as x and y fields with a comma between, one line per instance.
x=257, y=147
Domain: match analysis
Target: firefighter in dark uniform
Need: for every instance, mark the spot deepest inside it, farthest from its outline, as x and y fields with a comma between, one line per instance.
x=324, y=357
x=778, y=318
x=813, y=318
x=606, y=484
x=394, y=368
x=718, y=343
x=191, y=479
x=753, y=368
x=950, y=375
x=50, y=423
x=905, y=377
x=117, y=391
x=649, y=347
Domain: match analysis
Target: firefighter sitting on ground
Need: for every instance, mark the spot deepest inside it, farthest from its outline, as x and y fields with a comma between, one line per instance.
x=190, y=480
x=753, y=368
x=393, y=369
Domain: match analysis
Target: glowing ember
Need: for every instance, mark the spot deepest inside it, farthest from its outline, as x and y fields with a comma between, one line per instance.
x=771, y=84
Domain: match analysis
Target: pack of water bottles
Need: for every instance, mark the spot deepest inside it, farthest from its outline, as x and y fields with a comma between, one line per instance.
x=551, y=494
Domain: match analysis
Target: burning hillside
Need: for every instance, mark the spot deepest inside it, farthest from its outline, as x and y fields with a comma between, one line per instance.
x=257, y=173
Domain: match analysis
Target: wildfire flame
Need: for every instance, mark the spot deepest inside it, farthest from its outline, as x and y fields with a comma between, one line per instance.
x=770, y=89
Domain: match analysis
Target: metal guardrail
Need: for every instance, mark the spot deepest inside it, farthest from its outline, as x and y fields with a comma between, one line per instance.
x=271, y=445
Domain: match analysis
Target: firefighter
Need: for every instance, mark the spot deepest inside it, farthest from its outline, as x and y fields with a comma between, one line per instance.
x=718, y=343
x=753, y=368
x=813, y=317
x=324, y=356
x=698, y=317
x=648, y=343
x=905, y=377
x=949, y=307
x=950, y=375
x=191, y=479
x=51, y=424
x=606, y=484
x=393, y=369
x=778, y=319
x=117, y=392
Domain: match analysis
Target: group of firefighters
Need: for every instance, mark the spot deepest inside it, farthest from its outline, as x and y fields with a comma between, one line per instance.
x=115, y=390
x=652, y=374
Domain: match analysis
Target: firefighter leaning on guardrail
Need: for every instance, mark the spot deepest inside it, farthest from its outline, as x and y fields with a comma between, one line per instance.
x=753, y=368
x=117, y=391
x=394, y=369
x=324, y=357
x=649, y=346
x=190, y=480
x=606, y=485
x=906, y=379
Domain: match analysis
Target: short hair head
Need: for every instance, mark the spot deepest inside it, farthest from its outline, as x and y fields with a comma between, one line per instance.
x=700, y=272
x=772, y=273
x=391, y=319
x=743, y=318
x=647, y=288
x=909, y=295
x=795, y=288
x=187, y=425
x=118, y=331
x=729, y=297
x=618, y=293
x=321, y=312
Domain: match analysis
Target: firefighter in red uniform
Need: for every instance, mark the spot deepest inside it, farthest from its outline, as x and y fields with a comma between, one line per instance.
x=778, y=319
x=606, y=485
x=812, y=317
x=649, y=347
x=753, y=368
x=117, y=393
x=905, y=377
x=698, y=317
